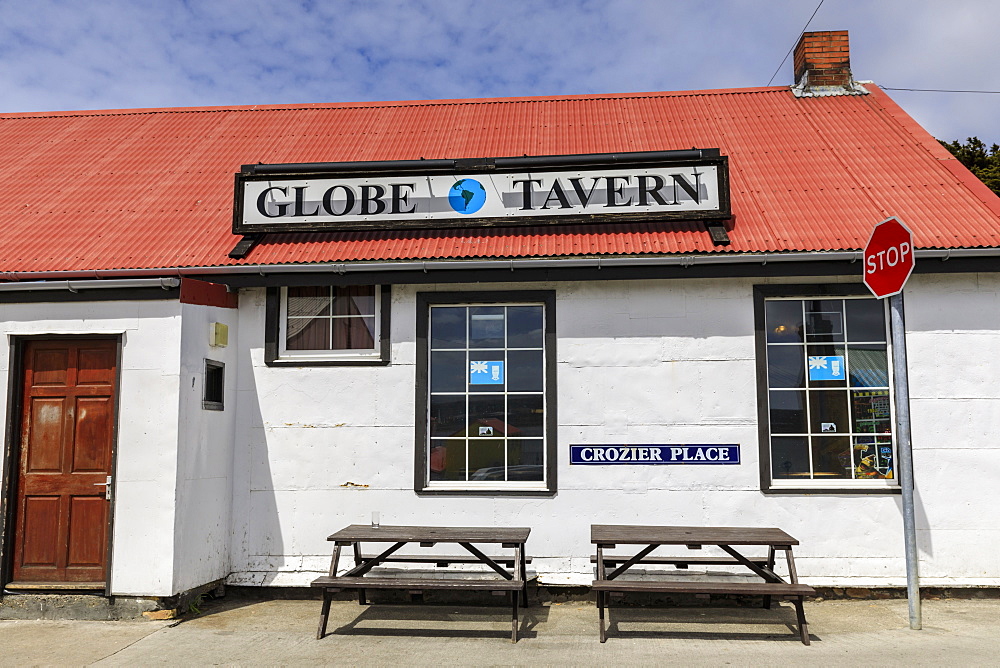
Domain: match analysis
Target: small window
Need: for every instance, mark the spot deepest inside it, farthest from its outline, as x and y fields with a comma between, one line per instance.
x=324, y=324
x=486, y=391
x=215, y=386
x=826, y=405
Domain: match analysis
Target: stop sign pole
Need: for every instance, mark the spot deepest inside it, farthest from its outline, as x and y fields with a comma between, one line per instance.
x=888, y=263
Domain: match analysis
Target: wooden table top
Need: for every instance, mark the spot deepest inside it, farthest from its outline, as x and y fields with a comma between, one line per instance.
x=393, y=534
x=628, y=534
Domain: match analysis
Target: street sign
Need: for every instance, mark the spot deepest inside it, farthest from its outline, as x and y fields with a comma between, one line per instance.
x=888, y=258
x=888, y=263
x=675, y=453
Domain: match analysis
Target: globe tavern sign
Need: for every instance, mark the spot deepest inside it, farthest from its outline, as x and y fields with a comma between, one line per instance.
x=424, y=194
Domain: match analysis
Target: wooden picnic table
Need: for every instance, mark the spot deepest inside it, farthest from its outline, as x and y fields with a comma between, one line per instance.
x=607, y=536
x=508, y=573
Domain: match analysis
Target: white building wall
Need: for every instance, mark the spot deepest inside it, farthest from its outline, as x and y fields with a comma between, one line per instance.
x=953, y=341
x=638, y=361
x=300, y=452
x=142, y=557
x=204, y=452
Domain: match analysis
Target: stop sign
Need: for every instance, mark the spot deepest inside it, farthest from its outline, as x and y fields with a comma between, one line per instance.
x=888, y=258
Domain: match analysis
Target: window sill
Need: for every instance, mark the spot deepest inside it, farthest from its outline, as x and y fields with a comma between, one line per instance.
x=475, y=490
x=346, y=360
x=823, y=487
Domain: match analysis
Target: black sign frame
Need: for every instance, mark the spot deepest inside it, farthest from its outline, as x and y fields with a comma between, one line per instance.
x=581, y=162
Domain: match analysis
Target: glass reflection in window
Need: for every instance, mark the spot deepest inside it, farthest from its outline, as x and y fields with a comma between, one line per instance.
x=829, y=401
x=487, y=399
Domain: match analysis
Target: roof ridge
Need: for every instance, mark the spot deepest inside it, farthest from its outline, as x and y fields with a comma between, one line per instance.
x=329, y=106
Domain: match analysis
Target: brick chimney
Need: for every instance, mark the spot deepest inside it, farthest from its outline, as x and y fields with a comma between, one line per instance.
x=822, y=62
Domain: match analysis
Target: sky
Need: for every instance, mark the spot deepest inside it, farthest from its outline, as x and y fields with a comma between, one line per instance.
x=118, y=54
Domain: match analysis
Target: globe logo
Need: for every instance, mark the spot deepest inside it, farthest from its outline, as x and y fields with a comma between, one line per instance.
x=467, y=196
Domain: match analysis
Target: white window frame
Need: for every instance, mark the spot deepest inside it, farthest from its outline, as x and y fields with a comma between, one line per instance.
x=771, y=483
x=281, y=355
x=547, y=484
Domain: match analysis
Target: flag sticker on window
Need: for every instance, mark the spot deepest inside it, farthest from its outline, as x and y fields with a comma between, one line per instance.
x=486, y=373
x=826, y=367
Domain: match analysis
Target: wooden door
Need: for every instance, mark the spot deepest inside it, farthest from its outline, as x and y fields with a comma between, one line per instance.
x=67, y=430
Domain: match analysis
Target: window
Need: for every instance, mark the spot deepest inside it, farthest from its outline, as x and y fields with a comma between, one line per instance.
x=485, y=398
x=826, y=406
x=324, y=324
x=215, y=385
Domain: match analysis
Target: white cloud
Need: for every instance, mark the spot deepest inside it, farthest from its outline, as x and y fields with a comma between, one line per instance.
x=58, y=54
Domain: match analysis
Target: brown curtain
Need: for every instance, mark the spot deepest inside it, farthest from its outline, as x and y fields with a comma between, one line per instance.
x=305, y=328
x=308, y=325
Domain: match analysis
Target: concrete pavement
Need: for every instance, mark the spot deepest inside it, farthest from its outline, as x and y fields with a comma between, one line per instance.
x=244, y=631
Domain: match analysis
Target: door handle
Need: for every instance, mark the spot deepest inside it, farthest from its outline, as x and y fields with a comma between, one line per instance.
x=107, y=487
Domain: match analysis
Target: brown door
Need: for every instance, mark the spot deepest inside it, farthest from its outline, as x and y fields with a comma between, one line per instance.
x=67, y=429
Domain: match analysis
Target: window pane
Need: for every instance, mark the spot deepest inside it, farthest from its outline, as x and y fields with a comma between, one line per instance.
x=838, y=426
x=353, y=333
x=524, y=371
x=790, y=457
x=831, y=457
x=871, y=411
x=525, y=459
x=214, y=391
x=828, y=411
x=824, y=320
x=783, y=321
x=448, y=371
x=448, y=327
x=869, y=366
x=486, y=416
x=305, y=334
x=827, y=366
x=525, y=414
x=865, y=320
x=487, y=371
x=447, y=459
x=486, y=459
x=308, y=301
x=447, y=415
x=785, y=366
x=788, y=412
x=486, y=327
x=873, y=457
x=524, y=327
x=485, y=395
x=354, y=300
x=332, y=324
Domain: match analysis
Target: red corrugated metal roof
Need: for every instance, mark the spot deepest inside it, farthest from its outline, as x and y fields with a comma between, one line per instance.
x=151, y=188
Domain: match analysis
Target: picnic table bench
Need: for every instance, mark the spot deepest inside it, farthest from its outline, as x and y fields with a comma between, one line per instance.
x=607, y=536
x=513, y=580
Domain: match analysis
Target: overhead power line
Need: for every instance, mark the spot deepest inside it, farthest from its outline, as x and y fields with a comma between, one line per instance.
x=801, y=32
x=940, y=90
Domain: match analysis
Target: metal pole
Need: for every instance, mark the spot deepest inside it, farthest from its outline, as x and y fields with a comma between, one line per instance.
x=905, y=455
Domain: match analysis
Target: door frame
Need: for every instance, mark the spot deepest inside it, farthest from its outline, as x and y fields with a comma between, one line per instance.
x=11, y=455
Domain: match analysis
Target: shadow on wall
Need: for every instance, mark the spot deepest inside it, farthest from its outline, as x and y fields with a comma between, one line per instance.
x=259, y=545
x=925, y=543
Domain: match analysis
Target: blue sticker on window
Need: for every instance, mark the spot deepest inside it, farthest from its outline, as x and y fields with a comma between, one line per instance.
x=486, y=373
x=826, y=367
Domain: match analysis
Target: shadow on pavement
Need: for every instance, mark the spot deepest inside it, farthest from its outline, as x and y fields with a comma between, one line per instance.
x=426, y=620
x=703, y=623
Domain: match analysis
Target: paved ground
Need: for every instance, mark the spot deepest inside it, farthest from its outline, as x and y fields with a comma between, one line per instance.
x=246, y=632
